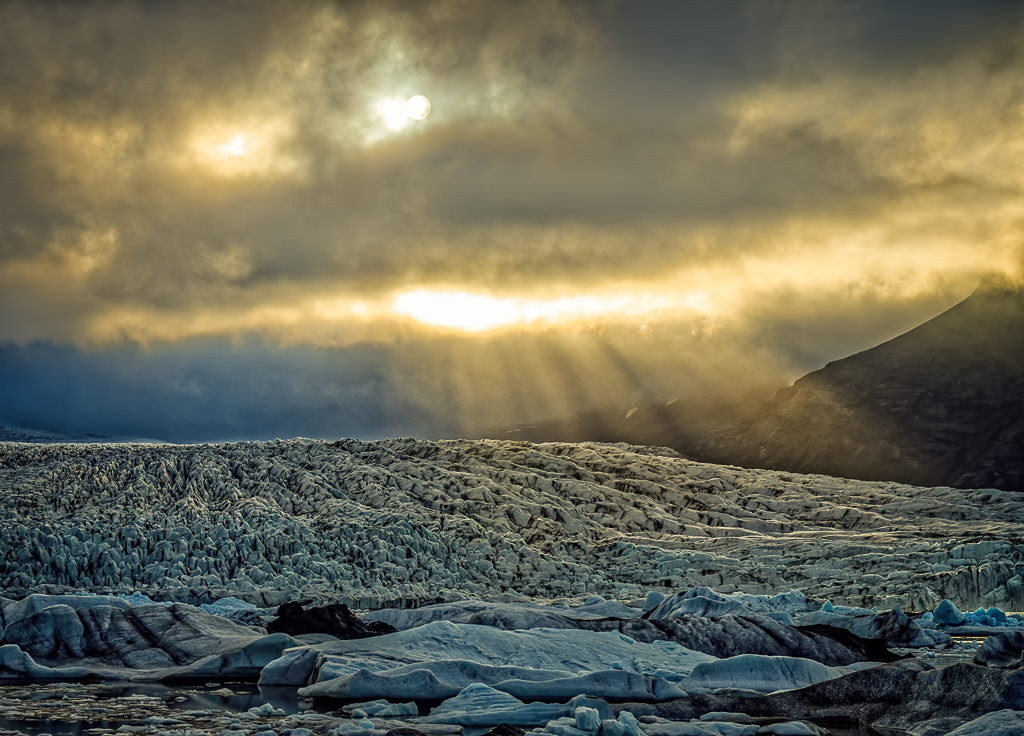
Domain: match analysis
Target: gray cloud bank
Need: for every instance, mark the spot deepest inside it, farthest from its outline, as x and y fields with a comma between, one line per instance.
x=861, y=160
x=215, y=389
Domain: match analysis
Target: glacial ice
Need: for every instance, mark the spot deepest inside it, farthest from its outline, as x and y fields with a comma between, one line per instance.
x=375, y=523
x=487, y=676
x=762, y=674
x=140, y=599
x=699, y=728
x=481, y=705
x=381, y=708
x=653, y=600
x=703, y=601
x=34, y=603
x=791, y=728
x=911, y=695
x=948, y=615
x=895, y=628
x=591, y=721
x=587, y=719
x=439, y=659
x=501, y=615
x=609, y=571
x=1005, y=649
x=721, y=636
x=226, y=606
x=19, y=666
x=1005, y=722
x=132, y=642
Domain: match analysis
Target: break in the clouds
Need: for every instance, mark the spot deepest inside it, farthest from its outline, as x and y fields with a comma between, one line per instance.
x=768, y=184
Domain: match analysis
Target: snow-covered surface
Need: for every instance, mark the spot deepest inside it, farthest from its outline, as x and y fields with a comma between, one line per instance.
x=367, y=523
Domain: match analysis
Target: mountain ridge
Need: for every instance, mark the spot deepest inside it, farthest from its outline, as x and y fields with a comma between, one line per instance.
x=940, y=404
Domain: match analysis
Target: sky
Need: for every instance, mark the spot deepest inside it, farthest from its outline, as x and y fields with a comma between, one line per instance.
x=221, y=220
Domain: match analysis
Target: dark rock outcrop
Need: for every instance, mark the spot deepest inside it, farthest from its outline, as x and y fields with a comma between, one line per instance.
x=335, y=619
x=942, y=404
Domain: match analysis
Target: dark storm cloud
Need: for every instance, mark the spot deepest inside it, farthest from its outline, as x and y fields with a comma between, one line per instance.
x=98, y=104
x=199, y=391
x=768, y=153
x=614, y=116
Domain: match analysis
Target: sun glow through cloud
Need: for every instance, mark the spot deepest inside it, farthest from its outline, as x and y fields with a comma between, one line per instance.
x=255, y=145
x=470, y=312
x=398, y=113
x=235, y=147
x=392, y=112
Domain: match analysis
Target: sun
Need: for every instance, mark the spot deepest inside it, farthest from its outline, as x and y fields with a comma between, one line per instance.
x=398, y=113
x=417, y=107
x=235, y=147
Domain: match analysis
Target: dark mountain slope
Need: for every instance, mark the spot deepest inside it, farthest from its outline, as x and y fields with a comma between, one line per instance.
x=942, y=404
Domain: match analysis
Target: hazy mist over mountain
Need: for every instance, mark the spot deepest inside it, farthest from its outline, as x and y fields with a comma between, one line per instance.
x=244, y=231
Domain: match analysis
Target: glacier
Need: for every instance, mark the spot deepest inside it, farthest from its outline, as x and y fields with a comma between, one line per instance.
x=406, y=522
x=576, y=589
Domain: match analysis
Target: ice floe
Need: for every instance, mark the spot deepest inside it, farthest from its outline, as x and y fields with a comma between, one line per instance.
x=439, y=659
x=131, y=642
x=761, y=674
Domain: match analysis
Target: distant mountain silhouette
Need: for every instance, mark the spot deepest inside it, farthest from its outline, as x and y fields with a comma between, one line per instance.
x=43, y=436
x=942, y=404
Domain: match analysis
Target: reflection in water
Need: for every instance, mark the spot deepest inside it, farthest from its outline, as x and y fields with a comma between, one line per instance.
x=75, y=709
x=70, y=709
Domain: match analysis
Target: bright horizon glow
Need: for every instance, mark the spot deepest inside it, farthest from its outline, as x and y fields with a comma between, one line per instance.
x=719, y=294
x=474, y=312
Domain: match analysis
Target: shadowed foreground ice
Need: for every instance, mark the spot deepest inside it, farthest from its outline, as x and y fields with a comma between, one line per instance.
x=561, y=588
x=768, y=666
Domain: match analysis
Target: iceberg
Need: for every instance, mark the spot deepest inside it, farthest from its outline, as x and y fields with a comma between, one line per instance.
x=439, y=659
